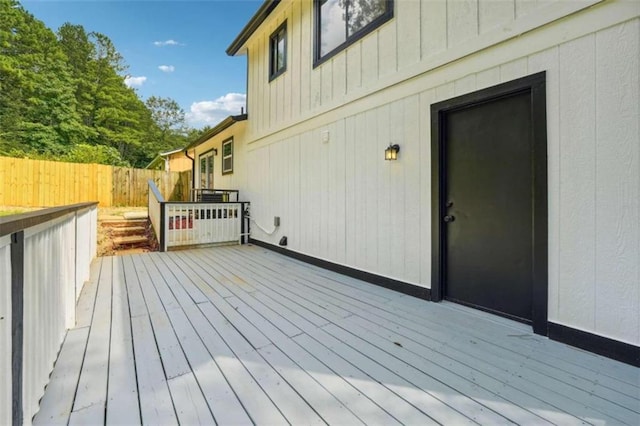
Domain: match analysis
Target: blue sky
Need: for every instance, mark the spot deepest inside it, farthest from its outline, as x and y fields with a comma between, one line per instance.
x=174, y=49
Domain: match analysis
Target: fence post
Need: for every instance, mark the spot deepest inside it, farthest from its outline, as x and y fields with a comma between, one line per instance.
x=164, y=226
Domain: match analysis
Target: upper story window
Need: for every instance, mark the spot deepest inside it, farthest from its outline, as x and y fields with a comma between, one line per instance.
x=338, y=23
x=278, y=51
x=227, y=156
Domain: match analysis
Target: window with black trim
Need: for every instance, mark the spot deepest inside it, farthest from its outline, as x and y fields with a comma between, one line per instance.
x=338, y=23
x=206, y=169
x=227, y=156
x=278, y=51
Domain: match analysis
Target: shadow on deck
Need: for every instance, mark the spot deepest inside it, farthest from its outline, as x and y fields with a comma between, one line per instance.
x=240, y=335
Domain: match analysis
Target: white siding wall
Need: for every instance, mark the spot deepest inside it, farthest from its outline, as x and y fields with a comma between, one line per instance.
x=340, y=201
x=233, y=180
x=423, y=35
x=5, y=330
x=49, y=302
x=53, y=252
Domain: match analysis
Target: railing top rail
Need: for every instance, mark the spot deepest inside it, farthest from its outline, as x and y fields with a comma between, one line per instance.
x=204, y=202
x=215, y=189
x=19, y=222
x=154, y=189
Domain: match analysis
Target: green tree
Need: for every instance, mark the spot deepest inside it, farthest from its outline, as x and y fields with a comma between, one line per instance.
x=63, y=96
x=80, y=51
x=37, y=105
x=100, y=154
x=169, y=120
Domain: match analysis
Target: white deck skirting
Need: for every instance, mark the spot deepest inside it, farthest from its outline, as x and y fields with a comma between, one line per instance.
x=241, y=335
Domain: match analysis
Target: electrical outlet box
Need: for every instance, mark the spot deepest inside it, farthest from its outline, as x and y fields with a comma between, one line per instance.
x=276, y=221
x=324, y=136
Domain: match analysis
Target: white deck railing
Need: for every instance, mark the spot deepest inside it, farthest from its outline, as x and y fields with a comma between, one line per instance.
x=189, y=224
x=44, y=260
x=185, y=224
x=155, y=208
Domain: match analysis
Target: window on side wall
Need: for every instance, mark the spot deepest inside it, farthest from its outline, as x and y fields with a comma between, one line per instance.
x=227, y=156
x=206, y=170
x=278, y=51
x=339, y=23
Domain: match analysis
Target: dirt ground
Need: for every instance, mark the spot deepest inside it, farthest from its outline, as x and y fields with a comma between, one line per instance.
x=105, y=240
x=116, y=212
x=105, y=244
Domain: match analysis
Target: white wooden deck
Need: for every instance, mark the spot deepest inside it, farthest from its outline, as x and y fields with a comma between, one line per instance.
x=240, y=335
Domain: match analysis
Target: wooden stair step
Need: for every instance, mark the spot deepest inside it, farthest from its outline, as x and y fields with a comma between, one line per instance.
x=136, y=215
x=129, y=230
x=132, y=240
x=136, y=250
x=119, y=223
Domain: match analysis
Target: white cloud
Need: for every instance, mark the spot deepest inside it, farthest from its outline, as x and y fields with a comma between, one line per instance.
x=167, y=68
x=212, y=112
x=167, y=43
x=134, y=81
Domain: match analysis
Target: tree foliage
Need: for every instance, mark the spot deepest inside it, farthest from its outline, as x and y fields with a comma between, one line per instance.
x=169, y=119
x=63, y=96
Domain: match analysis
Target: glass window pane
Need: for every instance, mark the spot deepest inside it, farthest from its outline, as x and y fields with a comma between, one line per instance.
x=363, y=12
x=274, y=56
x=227, y=164
x=281, y=54
x=203, y=172
x=226, y=149
x=332, y=25
x=210, y=171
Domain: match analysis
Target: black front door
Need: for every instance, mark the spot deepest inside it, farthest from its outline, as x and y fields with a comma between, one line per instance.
x=488, y=190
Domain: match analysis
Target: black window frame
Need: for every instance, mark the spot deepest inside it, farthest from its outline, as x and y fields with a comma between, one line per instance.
x=222, y=156
x=204, y=156
x=273, y=47
x=367, y=29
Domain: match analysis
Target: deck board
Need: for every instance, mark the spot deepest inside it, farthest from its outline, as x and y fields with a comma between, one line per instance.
x=242, y=335
x=56, y=405
x=156, y=406
x=87, y=300
x=225, y=406
x=92, y=386
x=122, y=405
x=253, y=398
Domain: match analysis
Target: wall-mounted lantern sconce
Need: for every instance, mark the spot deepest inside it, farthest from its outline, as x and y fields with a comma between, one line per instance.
x=215, y=151
x=391, y=153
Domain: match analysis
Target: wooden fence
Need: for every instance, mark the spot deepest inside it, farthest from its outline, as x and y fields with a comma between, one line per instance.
x=36, y=183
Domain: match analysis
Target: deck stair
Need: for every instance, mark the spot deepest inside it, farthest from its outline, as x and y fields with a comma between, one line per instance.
x=126, y=234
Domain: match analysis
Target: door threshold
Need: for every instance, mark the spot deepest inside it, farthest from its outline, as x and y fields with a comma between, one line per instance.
x=489, y=315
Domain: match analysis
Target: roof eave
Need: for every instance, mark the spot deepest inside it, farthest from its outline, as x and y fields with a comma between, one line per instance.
x=258, y=18
x=223, y=125
x=154, y=162
x=162, y=154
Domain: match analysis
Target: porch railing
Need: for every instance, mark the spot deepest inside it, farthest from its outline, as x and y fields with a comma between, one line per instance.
x=206, y=195
x=45, y=258
x=182, y=224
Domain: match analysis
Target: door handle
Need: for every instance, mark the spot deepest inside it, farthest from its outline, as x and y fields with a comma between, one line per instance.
x=449, y=218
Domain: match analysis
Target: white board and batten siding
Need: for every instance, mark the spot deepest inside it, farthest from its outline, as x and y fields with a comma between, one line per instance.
x=49, y=302
x=423, y=35
x=340, y=201
x=5, y=330
x=86, y=245
x=232, y=180
x=57, y=257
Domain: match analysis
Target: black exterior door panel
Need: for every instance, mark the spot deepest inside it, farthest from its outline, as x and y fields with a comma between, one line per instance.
x=489, y=200
x=488, y=163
